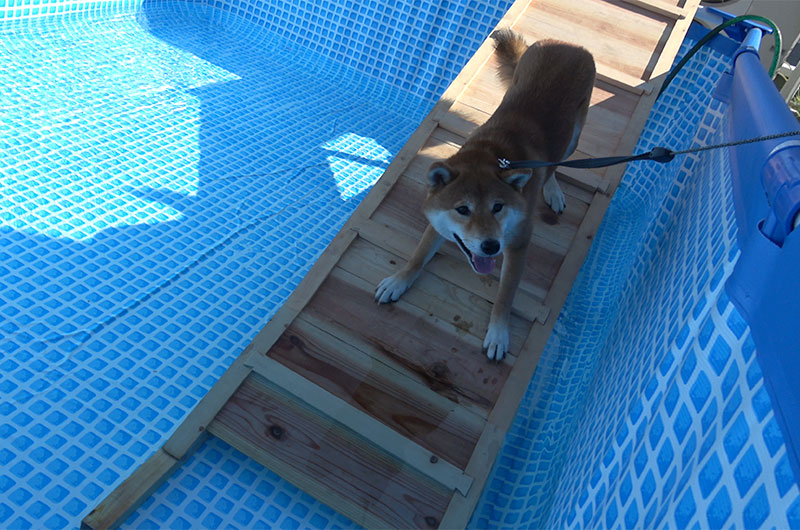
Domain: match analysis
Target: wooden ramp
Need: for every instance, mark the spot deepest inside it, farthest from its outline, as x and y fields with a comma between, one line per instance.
x=391, y=414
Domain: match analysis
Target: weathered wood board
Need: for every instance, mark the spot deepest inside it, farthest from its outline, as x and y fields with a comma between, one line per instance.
x=391, y=414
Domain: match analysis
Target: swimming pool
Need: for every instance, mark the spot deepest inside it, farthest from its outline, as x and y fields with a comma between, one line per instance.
x=126, y=295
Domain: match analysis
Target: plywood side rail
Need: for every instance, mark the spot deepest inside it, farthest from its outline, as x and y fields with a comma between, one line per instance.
x=660, y=7
x=627, y=82
x=128, y=496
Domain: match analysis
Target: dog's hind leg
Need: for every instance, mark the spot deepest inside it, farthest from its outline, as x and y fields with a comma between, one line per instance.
x=390, y=289
x=576, y=134
x=553, y=195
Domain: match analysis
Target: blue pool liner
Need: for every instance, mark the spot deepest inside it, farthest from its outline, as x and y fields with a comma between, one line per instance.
x=765, y=284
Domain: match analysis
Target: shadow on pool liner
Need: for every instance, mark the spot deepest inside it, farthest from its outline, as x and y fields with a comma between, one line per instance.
x=169, y=169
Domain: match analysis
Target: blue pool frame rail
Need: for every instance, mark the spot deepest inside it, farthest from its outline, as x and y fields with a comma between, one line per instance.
x=765, y=283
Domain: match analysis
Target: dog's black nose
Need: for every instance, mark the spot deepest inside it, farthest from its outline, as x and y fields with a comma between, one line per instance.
x=490, y=247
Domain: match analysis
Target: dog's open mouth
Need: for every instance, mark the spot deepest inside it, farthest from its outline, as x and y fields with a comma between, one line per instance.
x=479, y=264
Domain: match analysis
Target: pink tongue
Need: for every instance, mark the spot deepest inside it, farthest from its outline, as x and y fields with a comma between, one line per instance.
x=483, y=265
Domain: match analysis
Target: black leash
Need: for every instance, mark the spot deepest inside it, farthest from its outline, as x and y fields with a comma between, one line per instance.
x=657, y=154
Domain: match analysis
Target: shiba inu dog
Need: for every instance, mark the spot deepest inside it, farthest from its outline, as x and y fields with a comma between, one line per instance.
x=485, y=210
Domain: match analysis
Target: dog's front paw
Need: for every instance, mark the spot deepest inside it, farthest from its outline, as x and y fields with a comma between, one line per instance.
x=553, y=195
x=392, y=287
x=496, y=342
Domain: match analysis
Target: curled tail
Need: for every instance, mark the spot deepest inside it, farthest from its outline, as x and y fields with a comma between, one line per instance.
x=509, y=47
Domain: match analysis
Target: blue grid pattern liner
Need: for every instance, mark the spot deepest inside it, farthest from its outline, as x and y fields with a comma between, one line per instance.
x=648, y=408
x=170, y=172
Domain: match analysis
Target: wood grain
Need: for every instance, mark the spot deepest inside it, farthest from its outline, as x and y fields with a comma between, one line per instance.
x=374, y=387
x=329, y=462
x=450, y=362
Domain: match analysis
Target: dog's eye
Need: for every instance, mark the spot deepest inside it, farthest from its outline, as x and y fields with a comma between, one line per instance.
x=497, y=207
x=463, y=210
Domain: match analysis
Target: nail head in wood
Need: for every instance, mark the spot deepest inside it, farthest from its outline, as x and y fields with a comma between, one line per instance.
x=276, y=431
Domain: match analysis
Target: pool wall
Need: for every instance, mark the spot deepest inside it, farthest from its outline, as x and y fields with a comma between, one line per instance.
x=23, y=12
x=648, y=407
x=418, y=46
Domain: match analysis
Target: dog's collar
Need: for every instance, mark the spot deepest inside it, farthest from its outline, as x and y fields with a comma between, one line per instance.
x=505, y=163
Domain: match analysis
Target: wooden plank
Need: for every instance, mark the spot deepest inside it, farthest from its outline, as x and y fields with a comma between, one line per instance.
x=381, y=390
x=559, y=229
x=327, y=460
x=442, y=265
x=430, y=377
x=119, y=504
x=486, y=90
x=437, y=296
x=424, y=345
x=659, y=7
x=404, y=449
x=627, y=82
x=542, y=263
x=581, y=184
x=404, y=206
x=623, y=39
x=437, y=148
x=462, y=120
x=608, y=119
x=671, y=47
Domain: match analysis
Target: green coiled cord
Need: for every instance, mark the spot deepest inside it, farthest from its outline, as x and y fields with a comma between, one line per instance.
x=711, y=34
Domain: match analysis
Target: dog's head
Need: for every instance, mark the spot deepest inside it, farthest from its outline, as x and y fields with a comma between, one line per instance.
x=480, y=207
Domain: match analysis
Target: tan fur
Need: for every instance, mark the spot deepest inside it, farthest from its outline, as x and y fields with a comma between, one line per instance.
x=539, y=118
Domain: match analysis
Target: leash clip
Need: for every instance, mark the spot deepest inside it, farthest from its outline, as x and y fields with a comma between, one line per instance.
x=661, y=154
x=504, y=163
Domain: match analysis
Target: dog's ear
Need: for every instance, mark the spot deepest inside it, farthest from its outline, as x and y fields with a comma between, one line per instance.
x=517, y=178
x=440, y=174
